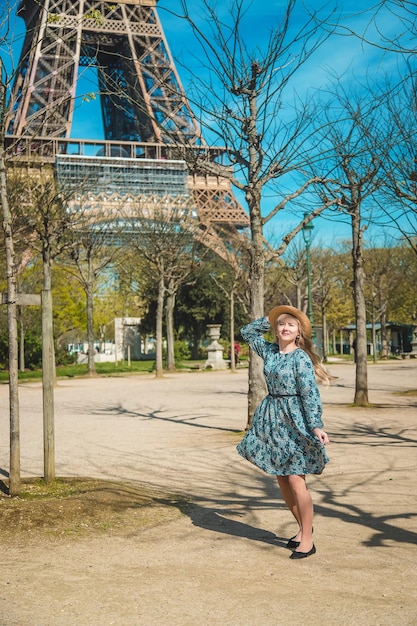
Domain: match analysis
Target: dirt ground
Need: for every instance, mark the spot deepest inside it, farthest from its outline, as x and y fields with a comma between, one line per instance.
x=177, y=530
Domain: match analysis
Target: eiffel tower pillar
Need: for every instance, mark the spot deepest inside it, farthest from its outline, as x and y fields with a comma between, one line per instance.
x=140, y=92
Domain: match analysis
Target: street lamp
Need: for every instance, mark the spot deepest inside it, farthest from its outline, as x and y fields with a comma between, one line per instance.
x=307, y=236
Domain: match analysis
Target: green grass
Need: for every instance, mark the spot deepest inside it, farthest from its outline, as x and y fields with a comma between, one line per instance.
x=102, y=369
x=38, y=488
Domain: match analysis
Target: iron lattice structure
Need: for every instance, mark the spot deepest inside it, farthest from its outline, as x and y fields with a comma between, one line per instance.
x=140, y=91
x=145, y=111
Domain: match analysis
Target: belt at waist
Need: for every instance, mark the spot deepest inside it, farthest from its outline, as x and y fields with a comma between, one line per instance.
x=283, y=395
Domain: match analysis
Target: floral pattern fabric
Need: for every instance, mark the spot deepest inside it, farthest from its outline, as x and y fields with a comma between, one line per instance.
x=281, y=440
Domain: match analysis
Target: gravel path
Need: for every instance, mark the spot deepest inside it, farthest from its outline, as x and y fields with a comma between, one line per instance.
x=224, y=562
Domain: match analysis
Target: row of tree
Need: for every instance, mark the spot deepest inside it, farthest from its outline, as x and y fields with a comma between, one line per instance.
x=95, y=280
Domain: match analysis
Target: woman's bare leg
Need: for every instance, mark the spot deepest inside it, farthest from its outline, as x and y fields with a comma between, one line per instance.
x=304, y=507
x=288, y=495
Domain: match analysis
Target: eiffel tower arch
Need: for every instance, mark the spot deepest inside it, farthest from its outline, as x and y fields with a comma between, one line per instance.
x=145, y=112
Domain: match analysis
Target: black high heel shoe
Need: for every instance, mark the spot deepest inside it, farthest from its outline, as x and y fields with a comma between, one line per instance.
x=303, y=555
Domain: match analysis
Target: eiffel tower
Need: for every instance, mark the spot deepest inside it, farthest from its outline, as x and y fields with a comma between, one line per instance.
x=145, y=112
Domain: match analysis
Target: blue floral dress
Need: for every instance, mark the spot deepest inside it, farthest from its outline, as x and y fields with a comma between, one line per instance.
x=281, y=440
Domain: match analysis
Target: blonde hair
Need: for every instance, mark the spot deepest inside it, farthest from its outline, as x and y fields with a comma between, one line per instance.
x=322, y=375
x=305, y=343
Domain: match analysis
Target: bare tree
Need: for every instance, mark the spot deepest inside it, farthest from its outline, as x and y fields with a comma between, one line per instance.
x=166, y=233
x=358, y=141
x=42, y=209
x=233, y=281
x=288, y=279
x=40, y=205
x=240, y=94
x=93, y=247
x=323, y=261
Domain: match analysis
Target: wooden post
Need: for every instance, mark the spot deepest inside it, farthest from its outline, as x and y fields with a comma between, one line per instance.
x=48, y=386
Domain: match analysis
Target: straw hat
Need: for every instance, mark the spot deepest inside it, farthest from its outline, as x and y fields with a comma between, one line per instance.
x=283, y=309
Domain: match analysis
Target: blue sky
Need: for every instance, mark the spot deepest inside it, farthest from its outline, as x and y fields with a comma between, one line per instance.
x=340, y=56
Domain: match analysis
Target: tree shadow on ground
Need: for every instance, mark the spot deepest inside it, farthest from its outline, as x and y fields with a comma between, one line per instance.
x=369, y=436
x=219, y=517
x=218, y=514
x=340, y=493
x=192, y=420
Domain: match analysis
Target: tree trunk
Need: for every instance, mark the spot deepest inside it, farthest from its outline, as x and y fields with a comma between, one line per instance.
x=384, y=338
x=90, y=319
x=298, y=296
x=256, y=391
x=47, y=285
x=159, y=317
x=14, y=470
x=361, y=383
x=325, y=337
x=374, y=348
x=48, y=371
x=48, y=387
x=21, y=341
x=169, y=317
x=232, y=332
x=257, y=388
x=194, y=348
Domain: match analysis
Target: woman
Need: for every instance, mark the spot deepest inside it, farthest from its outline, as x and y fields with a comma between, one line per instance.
x=286, y=437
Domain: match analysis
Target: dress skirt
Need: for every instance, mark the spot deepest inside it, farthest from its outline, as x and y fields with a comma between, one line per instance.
x=277, y=445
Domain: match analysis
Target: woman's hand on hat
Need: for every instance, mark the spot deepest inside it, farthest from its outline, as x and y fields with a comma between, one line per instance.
x=321, y=435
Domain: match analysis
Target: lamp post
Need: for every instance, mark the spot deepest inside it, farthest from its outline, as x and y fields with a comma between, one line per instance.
x=307, y=236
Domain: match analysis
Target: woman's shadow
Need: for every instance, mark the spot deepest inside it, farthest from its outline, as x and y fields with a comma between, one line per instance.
x=216, y=521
